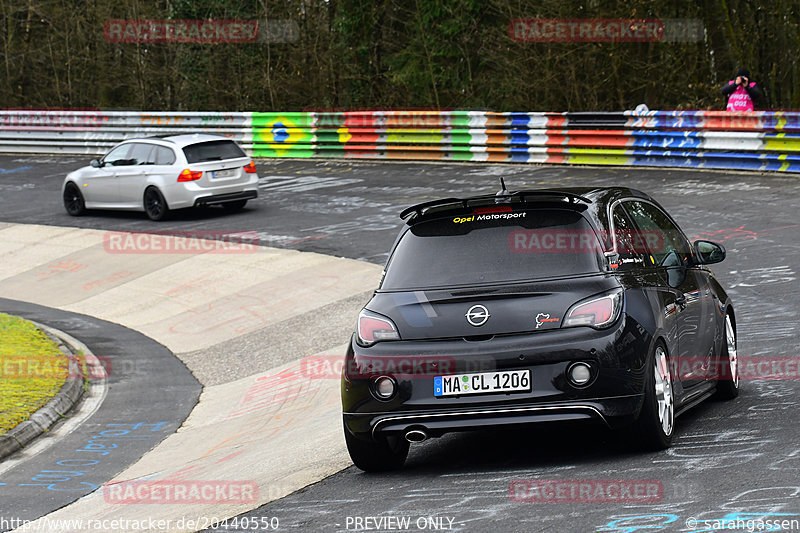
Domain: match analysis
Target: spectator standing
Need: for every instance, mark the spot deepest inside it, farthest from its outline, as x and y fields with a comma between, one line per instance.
x=741, y=92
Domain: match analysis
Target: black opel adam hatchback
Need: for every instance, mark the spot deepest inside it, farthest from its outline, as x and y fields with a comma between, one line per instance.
x=535, y=306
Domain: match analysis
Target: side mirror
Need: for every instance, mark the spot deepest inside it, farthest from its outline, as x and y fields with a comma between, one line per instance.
x=96, y=163
x=708, y=253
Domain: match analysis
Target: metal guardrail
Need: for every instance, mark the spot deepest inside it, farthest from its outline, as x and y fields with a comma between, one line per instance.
x=706, y=139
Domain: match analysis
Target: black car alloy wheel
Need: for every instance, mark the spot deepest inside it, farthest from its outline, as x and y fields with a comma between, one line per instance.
x=154, y=204
x=73, y=200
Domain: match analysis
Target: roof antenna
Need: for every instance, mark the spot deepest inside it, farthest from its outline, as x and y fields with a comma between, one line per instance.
x=502, y=192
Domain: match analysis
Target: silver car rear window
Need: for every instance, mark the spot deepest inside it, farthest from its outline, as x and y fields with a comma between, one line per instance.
x=212, y=151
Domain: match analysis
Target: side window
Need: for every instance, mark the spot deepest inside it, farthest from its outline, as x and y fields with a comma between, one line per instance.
x=164, y=156
x=630, y=246
x=141, y=154
x=118, y=156
x=665, y=241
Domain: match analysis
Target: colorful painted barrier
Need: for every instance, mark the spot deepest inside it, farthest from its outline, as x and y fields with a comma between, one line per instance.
x=768, y=141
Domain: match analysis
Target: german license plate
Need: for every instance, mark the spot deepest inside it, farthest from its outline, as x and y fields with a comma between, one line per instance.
x=231, y=172
x=482, y=383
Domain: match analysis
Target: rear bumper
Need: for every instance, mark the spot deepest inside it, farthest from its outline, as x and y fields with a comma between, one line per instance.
x=218, y=199
x=610, y=412
x=613, y=397
x=186, y=194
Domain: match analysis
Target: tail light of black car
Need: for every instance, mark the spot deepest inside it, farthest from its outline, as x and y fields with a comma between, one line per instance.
x=373, y=328
x=596, y=312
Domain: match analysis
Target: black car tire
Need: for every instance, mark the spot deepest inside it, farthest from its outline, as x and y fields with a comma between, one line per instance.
x=154, y=204
x=387, y=453
x=73, y=200
x=655, y=425
x=728, y=378
x=234, y=206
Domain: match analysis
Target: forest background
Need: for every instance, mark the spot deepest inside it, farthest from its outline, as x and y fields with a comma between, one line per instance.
x=393, y=54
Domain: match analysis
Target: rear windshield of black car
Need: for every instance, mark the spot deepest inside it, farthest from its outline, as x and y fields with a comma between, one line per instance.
x=522, y=245
x=212, y=151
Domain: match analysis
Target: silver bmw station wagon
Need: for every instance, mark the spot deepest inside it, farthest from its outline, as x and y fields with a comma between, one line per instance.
x=160, y=174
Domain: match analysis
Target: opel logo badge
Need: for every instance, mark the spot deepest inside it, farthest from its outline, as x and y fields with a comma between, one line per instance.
x=477, y=315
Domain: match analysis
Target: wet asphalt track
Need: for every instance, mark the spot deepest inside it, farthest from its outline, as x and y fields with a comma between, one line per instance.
x=736, y=457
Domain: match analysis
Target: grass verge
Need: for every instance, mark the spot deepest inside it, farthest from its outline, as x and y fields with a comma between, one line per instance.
x=32, y=370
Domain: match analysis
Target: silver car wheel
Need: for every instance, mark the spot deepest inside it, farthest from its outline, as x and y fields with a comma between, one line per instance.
x=733, y=360
x=663, y=391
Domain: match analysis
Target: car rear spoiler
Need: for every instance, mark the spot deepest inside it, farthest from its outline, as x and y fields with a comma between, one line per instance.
x=503, y=196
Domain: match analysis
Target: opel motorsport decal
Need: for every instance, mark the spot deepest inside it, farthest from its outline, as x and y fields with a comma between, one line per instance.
x=489, y=216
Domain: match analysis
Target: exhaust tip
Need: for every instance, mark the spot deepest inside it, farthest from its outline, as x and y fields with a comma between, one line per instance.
x=416, y=435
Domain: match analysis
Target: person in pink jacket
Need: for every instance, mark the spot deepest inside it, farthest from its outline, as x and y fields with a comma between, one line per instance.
x=741, y=92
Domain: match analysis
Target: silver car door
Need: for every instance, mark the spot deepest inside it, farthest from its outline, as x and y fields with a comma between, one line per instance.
x=100, y=184
x=131, y=179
